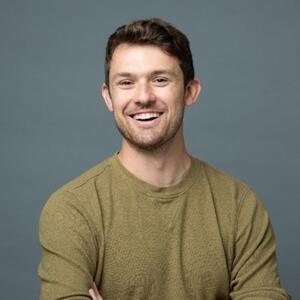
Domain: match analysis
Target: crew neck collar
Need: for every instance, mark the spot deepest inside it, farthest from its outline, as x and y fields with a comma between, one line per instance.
x=156, y=191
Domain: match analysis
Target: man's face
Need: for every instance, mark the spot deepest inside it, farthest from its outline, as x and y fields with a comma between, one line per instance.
x=146, y=95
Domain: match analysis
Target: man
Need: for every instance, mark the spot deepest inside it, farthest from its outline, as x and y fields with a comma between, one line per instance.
x=152, y=222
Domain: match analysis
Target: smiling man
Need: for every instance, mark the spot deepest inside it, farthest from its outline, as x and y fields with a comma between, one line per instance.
x=153, y=222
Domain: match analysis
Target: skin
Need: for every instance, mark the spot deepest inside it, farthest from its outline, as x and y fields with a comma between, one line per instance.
x=144, y=79
x=94, y=293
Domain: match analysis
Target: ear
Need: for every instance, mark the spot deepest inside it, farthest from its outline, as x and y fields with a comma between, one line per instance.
x=192, y=91
x=106, y=97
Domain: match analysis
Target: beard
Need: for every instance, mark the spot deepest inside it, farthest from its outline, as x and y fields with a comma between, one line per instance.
x=148, y=140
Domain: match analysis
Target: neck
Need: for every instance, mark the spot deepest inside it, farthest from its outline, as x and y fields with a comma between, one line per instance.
x=163, y=167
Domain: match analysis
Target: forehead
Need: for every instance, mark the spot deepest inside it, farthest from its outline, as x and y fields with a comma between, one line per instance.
x=141, y=59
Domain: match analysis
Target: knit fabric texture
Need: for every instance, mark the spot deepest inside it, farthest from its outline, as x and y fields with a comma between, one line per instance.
x=208, y=237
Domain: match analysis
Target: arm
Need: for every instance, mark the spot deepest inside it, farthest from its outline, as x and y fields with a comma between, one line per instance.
x=254, y=272
x=69, y=248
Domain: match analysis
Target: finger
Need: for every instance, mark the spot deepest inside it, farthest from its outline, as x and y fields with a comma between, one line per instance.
x=97, y=292
x=93, y=294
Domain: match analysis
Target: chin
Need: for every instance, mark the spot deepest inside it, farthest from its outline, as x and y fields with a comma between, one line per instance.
x=146, y=146
x=150, y=145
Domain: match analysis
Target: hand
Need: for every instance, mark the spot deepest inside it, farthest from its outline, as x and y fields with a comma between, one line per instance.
x=94, y=293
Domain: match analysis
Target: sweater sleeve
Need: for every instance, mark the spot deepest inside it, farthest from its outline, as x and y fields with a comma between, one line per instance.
x=254, y=271
x=69, y=249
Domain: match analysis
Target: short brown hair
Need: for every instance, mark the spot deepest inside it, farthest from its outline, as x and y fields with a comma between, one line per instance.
x=154, y=32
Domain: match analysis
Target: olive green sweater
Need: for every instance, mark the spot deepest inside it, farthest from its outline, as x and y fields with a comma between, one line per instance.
x=208, y=237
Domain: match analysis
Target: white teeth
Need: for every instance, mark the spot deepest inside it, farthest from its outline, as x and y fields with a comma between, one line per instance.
x=146, y=116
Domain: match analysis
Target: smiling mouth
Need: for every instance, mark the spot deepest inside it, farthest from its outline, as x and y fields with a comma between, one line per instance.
x=146, y=117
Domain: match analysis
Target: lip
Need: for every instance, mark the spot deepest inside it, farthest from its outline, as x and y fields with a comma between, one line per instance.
x=145, y=111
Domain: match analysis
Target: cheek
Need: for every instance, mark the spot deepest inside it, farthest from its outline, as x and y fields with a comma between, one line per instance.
x=119, y=101
x=124, y=96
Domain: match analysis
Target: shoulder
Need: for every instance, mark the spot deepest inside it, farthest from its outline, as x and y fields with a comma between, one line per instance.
x=86, y=180
x=219, y=179
x=79, y=196
x=97, y=172
x=226, y=188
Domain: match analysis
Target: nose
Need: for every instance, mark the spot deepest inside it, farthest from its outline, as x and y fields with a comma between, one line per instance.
x=144, y=94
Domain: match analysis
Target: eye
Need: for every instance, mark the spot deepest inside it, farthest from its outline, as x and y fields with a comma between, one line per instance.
x=160, y=81
x=125, y=83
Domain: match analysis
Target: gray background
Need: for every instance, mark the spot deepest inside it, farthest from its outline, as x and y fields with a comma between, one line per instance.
x=54, y=125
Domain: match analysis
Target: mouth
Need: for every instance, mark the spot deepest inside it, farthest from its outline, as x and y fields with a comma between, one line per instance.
x=146, y=116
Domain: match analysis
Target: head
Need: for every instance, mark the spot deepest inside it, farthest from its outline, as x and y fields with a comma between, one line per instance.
x=149, y=82
x=154, y=32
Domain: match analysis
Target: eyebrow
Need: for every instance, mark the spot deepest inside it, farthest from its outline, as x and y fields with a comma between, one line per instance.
x=154, y=73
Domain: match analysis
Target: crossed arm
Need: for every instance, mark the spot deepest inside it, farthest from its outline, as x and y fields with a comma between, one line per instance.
x=69, y=262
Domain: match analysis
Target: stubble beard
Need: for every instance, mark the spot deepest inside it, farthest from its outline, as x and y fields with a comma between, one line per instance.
x=154, y=143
